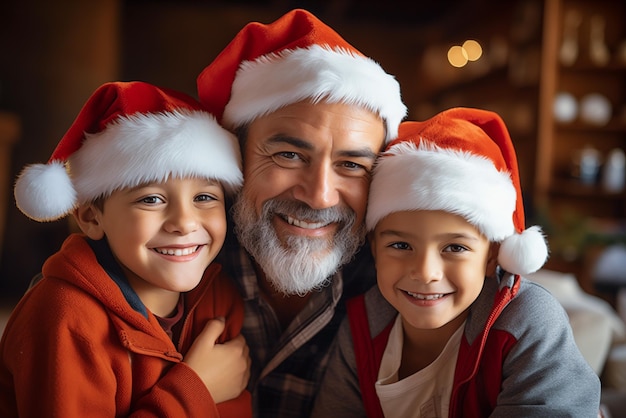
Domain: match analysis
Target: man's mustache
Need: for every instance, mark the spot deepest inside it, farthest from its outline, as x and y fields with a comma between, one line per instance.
x=300, y=210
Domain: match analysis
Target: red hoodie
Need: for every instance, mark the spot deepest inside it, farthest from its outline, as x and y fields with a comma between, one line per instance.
x=74, y=347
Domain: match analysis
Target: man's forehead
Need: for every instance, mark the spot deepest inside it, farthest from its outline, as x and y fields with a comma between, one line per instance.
x=316, y=123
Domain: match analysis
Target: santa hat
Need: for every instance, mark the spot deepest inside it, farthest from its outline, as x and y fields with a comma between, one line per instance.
x=460, y=161
x=297, y=57
x=128, y=133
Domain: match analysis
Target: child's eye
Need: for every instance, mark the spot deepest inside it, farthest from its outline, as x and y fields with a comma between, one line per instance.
x=400, y=246
x=455, y=248
x=151, y=200
x=205, y=197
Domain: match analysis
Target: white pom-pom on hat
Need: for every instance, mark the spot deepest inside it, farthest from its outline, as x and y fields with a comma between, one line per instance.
x=126, y=134
x=44, y=192
x=523, y=253
x=460, y=161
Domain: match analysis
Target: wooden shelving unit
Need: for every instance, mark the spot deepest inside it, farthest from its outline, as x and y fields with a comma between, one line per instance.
x=557, y=190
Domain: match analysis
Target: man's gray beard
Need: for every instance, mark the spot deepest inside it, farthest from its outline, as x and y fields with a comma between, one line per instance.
x=295, y=268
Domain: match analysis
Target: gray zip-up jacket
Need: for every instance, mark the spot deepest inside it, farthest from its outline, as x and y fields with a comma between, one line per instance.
x=517, y=358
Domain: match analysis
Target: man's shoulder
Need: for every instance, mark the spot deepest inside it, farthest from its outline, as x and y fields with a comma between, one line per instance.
x=359, y=275
x=374, y=309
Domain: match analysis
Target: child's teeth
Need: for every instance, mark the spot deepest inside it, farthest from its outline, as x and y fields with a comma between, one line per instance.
x=425, y=297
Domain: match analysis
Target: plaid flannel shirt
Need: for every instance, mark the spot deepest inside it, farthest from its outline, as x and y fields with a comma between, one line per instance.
x=287, y=367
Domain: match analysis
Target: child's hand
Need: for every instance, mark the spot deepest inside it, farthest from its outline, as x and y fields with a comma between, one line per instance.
x=224, y=368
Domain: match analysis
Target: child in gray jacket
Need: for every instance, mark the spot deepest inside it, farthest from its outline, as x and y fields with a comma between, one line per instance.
x=452, y=329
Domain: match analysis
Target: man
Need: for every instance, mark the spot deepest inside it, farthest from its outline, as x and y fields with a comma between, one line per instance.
x=311, y=113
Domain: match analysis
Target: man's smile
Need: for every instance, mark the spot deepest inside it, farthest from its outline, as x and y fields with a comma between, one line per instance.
x=303, y=224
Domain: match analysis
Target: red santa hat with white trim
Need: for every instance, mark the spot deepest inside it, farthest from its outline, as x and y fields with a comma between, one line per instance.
x=126, y=134
x=460, y=161
x=295, y=58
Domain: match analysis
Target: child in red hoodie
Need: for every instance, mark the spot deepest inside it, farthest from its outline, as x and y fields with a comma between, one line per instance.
x=131, y=317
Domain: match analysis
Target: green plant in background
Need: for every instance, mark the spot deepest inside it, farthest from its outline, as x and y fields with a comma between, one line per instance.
x=573, y=233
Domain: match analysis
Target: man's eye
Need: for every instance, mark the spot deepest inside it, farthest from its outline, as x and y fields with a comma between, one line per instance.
x=351, y=168
x=288, y=155
x=352, y=165
x=287, y=159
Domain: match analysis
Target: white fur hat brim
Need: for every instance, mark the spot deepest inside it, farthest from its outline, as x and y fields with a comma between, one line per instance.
x=316, y=73
x=410, y=177
x=132, y=150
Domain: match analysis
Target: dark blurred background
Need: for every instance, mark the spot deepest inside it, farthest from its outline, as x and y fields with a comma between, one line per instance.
x=54, y=54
